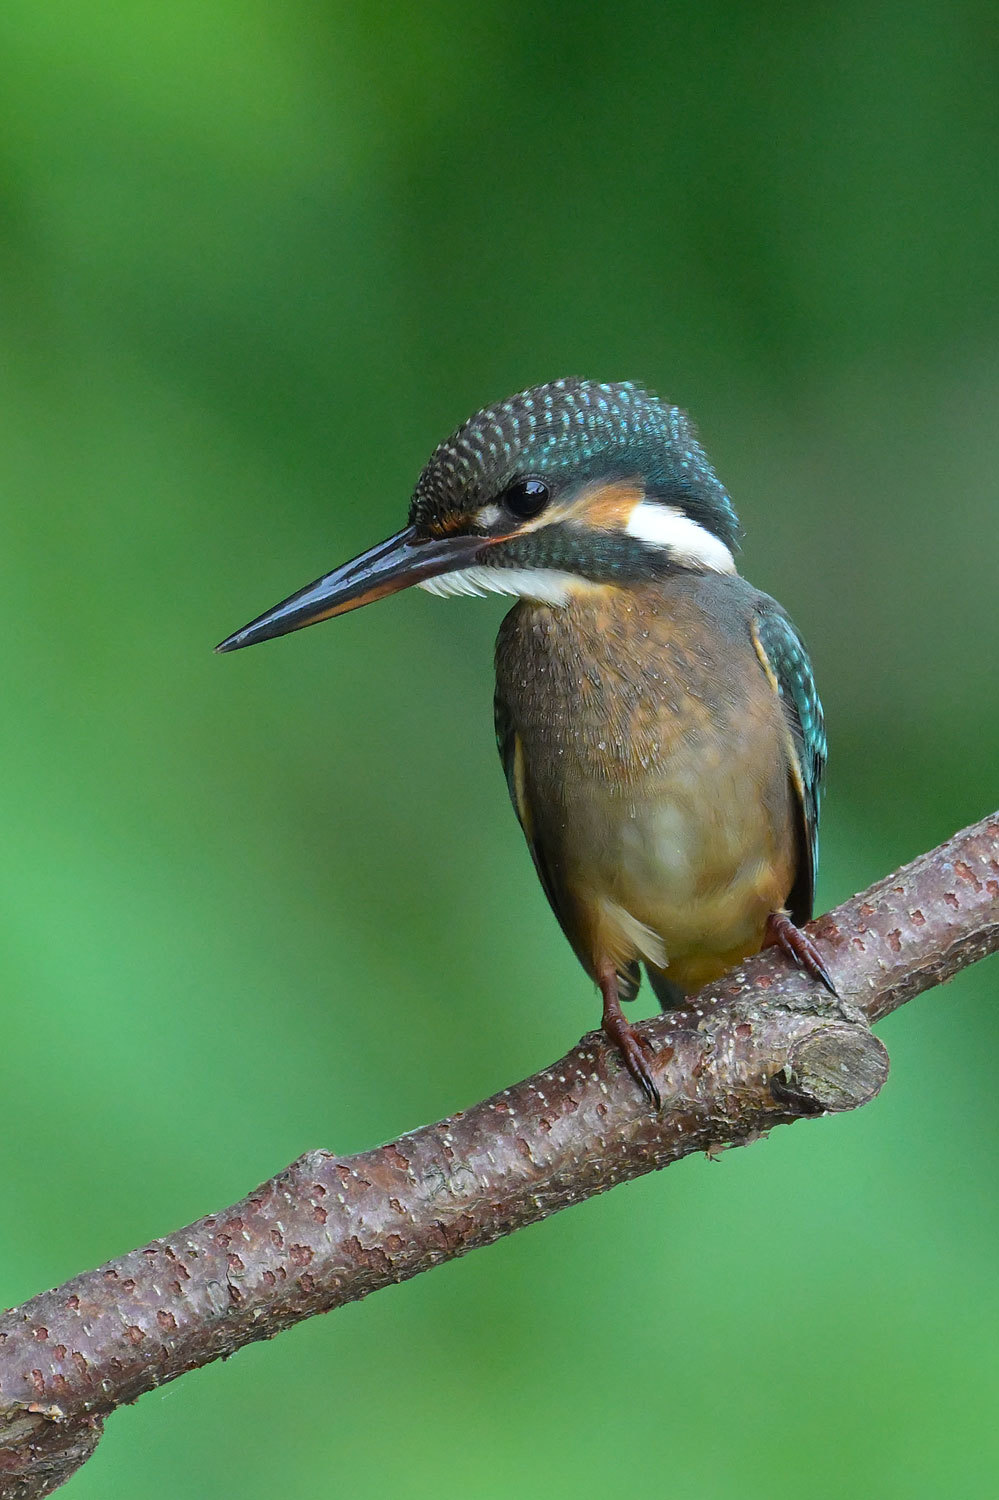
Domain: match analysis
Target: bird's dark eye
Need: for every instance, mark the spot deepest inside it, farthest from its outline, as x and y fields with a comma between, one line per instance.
x=527, y=498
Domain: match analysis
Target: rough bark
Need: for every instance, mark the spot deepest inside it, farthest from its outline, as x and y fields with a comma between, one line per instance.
x=761, y=1048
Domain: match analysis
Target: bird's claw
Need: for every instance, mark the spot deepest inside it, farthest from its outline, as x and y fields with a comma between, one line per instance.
x=637, y=1052
x=783, y=934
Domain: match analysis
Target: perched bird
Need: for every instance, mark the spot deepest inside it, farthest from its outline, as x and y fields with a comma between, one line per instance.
x=656, y=715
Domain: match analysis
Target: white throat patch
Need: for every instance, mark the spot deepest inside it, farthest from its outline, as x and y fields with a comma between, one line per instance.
x=665, y=526
x=546, y=585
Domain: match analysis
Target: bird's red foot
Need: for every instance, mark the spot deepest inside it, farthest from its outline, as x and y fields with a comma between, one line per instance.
x=636, y=1049
x=780, y=932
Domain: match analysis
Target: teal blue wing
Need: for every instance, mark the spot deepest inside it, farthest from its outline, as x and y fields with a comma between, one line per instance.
x=786, y=663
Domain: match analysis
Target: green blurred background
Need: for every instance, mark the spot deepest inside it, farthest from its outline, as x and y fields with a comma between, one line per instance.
x=256, y=258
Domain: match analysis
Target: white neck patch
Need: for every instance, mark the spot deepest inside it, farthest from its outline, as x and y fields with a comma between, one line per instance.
x=665, y=526
x=546, y=585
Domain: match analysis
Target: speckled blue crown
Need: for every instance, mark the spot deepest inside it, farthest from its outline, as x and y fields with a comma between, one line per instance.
x=575, y=429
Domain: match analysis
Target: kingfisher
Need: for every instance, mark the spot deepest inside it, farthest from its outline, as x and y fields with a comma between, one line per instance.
x=656, y=715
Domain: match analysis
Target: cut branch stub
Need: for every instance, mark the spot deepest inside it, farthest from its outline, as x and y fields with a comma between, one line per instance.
x=833, y=1068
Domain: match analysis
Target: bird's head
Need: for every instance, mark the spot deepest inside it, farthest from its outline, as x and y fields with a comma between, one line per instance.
x=562, y=488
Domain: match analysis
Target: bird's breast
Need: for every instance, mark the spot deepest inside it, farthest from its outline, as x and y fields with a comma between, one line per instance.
x=654, y=765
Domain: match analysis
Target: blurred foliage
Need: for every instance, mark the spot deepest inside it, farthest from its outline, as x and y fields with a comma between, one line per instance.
x=256, y=257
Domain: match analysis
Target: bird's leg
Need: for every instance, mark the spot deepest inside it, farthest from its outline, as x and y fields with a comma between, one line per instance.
x=635, y=1049
x=780, y=932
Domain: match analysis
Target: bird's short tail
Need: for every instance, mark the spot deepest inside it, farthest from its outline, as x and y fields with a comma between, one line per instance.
x=667, y=991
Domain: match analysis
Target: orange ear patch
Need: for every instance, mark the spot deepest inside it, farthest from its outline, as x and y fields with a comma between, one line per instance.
x=609, y=506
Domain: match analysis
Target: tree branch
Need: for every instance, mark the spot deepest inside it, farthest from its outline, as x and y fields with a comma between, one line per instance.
x=761, y=1048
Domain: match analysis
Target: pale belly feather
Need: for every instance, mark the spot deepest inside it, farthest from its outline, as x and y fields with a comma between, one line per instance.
x=678, y=871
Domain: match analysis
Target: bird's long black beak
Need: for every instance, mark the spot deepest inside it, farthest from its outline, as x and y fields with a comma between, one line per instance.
x=404, y=559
